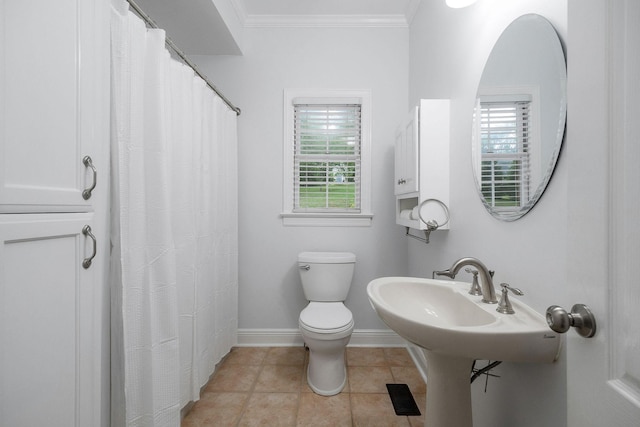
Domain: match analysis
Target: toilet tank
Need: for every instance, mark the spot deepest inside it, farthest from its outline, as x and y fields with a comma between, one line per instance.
x=326, y=276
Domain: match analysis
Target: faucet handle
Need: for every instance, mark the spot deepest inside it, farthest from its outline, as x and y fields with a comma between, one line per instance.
x=475, y=287
x=504, y=306
x=506, y=286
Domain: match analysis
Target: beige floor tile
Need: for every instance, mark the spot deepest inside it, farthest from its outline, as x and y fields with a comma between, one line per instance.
x=286, y=356
x=398, y=356
x=270, y=409
x=421, y=400
x=216, y=409
x=246, y=356
x=369, y=379
x=321, y=411
x=279, y=378
x=375, y=410
x=365, y=356
x=410, y=376
x=305, y=385
x=262, y=387
x=234, y=378
x=189, y=421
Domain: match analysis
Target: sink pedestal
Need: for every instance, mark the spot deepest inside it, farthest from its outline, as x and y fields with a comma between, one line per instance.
x=448, y=391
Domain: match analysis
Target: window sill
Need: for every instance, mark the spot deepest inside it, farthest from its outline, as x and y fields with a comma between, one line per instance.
x=325, y=220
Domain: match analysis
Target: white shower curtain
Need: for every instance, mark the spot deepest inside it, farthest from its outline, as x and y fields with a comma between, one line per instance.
x=174, y=228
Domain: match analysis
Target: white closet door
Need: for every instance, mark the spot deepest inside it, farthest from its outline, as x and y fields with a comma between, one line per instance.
x=47, y=371
x=48, y=107
x=54, y=110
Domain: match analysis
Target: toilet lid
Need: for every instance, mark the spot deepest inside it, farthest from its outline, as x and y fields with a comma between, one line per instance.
x=327, y=257
x=326, y=316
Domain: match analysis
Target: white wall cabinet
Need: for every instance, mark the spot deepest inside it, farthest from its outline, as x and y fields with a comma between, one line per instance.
x=49, y=115
x=406, y=155
x=422, y=164
x=54, y=111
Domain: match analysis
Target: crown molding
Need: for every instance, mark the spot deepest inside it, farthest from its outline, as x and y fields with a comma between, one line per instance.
x=411, y=10
x=400, y=20
x=326, y=21
x=240, y=10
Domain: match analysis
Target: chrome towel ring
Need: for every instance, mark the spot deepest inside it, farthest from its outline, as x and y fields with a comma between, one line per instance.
x=432, y=224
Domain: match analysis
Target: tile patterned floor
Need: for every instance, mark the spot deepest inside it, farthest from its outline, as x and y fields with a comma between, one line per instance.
x=267, y=387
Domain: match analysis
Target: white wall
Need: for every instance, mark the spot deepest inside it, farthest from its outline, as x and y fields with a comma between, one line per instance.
x=442, y=57
x=275, y=59
x=448, y=49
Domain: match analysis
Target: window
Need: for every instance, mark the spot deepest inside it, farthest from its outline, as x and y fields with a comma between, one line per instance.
x=505, y=153
x=327, y=158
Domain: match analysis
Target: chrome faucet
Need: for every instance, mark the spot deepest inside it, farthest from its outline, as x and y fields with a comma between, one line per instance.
x=486, y=277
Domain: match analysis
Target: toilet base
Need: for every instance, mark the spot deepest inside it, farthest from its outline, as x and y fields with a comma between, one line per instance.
x=327, y=372
x=324, y=391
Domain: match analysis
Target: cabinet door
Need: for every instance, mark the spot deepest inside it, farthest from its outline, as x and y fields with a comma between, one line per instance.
x=406, y=155
x=46, y=322
x=48, y=103
x=399, y=161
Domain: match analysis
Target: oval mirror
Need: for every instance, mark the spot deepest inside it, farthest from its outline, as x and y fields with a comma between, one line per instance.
x=519, y=117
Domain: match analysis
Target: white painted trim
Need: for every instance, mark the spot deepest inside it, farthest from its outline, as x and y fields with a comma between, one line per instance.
x=419, y=359
x=269, y=338
x=392, y=20
x=412, y=9
x=326, y=21
x=239, y=9
x=376, y=338
x=292, y=338
x=326, y=220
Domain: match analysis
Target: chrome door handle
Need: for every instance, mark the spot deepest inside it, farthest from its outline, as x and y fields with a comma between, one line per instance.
x=580, y=318
x=305, y=267
x=86, y=194
x=86, y=230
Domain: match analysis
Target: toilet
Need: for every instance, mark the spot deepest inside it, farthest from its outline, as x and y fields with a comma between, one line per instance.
x=326, y=323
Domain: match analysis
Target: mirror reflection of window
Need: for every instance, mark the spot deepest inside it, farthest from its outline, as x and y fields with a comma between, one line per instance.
x=505, y=153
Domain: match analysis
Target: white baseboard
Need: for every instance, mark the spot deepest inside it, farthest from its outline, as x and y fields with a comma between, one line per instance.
x=292, y=338
x=269, y=338
x=359, y=338
x=419, y=359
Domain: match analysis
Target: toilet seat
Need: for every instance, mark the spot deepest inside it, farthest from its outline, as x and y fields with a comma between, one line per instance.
x=326, y=318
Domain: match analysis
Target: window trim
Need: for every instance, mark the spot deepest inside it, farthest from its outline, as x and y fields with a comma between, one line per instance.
x=340, y=219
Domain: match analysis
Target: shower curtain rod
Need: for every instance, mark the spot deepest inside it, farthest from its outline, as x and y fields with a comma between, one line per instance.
x=182, y=56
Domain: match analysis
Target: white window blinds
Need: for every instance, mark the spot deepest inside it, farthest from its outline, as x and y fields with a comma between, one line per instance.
x=505, y=136
x=327, y=158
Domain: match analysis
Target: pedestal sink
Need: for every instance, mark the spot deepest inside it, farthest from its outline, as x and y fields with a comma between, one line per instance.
x=455, y=328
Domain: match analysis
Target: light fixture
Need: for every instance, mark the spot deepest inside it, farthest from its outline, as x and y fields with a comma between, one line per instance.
x=456, y=4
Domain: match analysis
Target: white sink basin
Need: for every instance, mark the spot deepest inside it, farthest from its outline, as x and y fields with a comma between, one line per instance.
x=442, y=317
x=455, y=328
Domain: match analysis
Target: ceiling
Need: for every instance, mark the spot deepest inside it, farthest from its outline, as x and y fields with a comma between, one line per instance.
x=216, y=27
